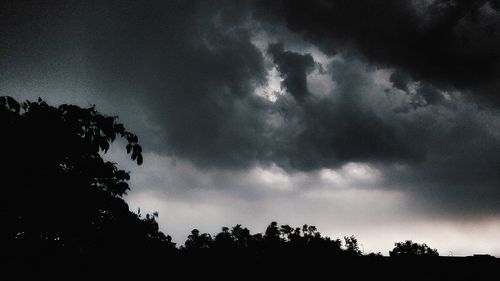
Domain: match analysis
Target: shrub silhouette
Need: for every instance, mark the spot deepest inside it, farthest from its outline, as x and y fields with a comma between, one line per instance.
x=411, y=249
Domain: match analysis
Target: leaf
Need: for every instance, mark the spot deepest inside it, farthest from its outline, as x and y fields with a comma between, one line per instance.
x=137, y=148
x=133, y=138
x=139, y=159
x=119, y=128
x=121, y=188
x=104, y=145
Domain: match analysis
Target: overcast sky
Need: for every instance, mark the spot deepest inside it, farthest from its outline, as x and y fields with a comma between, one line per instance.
x=373, y=118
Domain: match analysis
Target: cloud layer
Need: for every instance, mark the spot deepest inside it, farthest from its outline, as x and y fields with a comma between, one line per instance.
x=408, y=89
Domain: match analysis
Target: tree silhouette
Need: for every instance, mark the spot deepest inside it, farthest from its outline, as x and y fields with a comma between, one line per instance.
x=410, y=249
x=60, y=198
x=351, y=246
x=197, y=241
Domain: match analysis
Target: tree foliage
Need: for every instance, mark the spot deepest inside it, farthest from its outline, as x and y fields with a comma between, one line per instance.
x=58, y=193
x=277, y=241
x=411, y=249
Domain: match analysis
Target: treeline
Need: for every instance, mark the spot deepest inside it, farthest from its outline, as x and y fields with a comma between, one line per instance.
x=283, y=239
x=288, y=240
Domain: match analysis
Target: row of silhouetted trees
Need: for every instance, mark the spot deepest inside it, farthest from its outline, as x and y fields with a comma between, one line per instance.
x=62, y=206
x=288, y=240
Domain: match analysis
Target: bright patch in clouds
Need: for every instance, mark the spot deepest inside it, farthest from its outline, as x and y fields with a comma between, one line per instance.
x=272, y=89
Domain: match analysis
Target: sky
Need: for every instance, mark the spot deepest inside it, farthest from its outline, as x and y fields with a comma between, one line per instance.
x=366, y=118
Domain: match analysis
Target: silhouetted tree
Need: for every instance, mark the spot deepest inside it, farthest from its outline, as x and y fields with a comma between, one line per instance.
x=197, y=241
x=272, y=232
x=59, y=196
x=241, y=236
x=408, y=248
x=351, y=246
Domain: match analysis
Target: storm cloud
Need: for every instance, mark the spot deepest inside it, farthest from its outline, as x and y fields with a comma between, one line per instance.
x=408, y=89
x=452, y=44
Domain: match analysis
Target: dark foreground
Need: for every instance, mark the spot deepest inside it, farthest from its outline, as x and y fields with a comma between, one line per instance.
x=225, y=267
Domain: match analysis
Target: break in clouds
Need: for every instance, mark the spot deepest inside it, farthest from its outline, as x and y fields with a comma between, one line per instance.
x=407, y=89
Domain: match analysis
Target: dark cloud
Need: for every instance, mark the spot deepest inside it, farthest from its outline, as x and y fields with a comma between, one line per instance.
x=460, y=174
x=400, y=80
x=294, y=69
x=190, y=64
x=451, y=44
x=341, y=127
x=443, y=148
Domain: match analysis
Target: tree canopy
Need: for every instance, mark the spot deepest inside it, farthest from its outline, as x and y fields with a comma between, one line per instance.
x=58, y=194
x=411, y=249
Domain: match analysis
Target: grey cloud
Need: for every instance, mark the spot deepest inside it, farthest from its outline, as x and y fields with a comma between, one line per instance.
x=400, y=80
x=451, y=44
x=442, y=151
x=344, y=126
x=422, y=93
x=460, y=173
x=190, y=64
x=294, y=67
